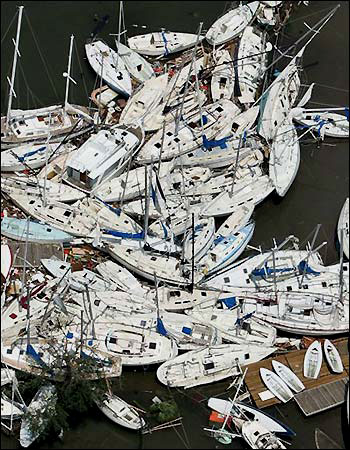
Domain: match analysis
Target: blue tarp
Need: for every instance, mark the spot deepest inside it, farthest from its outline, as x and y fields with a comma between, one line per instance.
x=22, y=158
x=115, y=210
x=229, y=302
x=304, y=267
x=215, y=143
x=269, y=271
x=160, y=327
x=69, y=335
x=122, y=234
x=187, y=330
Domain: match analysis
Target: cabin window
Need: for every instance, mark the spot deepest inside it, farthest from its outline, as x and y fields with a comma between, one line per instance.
x=177, y=140
x=9, y=351
x=83, y=177
x=143, y=323
x=113, y=340
x=226, y=279
x=67, y=213
x=21, y=352
x=152, y=345
x=305, y=286
x=324, y=284
x=219, y=109
x=124, y=133
x=139, y=67
x=246, y=355
x=97, y=302
x=158, y=145
x=31, y=202
x=289, y=288
x=154, y=258
x=245, y=270
x=208, y=366
x=174, y=294
x=203, y=294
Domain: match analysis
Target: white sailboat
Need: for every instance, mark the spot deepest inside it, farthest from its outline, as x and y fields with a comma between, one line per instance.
x=313, y=360
x=140, y=69
x=162, y=43
x=36, y=125
x=325, y=123
x=203, y=235
x=222, y=76
x=120, y=412
x=259, y=437
x=209, y=364
x=231, y=24
x=109, y=66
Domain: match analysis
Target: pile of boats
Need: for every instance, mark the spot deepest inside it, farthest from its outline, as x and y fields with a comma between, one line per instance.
x=203, y=136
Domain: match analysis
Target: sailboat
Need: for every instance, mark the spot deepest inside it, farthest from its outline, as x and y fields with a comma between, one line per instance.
x=162, y=43
x=109, y=66
x=326, y=123
x=332, y=357
x=231, y=24
x=35, y=125
x=343, y=226
x=276, y=385
x=288, y=376
x=140, y=69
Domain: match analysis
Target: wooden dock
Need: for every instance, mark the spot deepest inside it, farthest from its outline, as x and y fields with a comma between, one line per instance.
x=35, y=252
x=295, y=361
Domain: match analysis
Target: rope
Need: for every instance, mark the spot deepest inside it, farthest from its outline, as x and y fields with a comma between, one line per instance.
x=13, y=18
x=42, y=58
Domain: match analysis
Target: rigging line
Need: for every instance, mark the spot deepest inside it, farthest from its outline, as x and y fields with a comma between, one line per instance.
x=29, y=91
x=326, y=104
x=42, y=58
x=80, y=68
x=331, y=87
x=308, y=15
x=13, y=18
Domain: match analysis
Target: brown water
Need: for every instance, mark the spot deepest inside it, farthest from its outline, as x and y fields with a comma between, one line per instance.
x=316, y=196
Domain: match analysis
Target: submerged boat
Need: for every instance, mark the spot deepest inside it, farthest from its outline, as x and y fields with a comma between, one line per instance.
x=313, y=360
x=276, y=385
x=288, y=376
x=325, y=123
x=332, y=356
x=39, y=411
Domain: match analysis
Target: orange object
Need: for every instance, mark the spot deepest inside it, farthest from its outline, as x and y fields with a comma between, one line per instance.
x=216, y=417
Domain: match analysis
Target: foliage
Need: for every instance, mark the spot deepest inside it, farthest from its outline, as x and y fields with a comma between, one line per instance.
x=165, y=411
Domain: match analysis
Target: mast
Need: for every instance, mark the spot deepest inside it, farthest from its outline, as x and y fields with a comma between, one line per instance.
x=341, y=265
x=67, y=74
x=307, y=259
x=12, y=82
x=192, y=281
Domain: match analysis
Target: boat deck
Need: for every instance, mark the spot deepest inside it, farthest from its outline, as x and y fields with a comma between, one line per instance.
x=295, y=361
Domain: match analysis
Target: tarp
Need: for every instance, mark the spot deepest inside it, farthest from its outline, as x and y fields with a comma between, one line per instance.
x=263, y=271
x=247, y=316
x=215, y=143
x=33, y=353
x=187, y=330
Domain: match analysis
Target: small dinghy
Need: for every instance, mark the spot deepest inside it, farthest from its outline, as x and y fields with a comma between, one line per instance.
x=288, y=376
x=120, y=412
x=231, y=24
x=109, y=66
x=162, y=43
x=332, y=356
x=138, y=67
x=203, y=235
x=325, y=123
x=16, y=229
x=325, y=442
x=313, y=360
x=343, y=224
x=284, y=158
x=6, y=258
x=259, y=437
x=276, y=385
x=39, y=411
x=249, y=412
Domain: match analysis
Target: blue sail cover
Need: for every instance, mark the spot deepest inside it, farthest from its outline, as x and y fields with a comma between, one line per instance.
x=115, y=210
x=121, y=234
x=215, y=143
x=229, y=302
x=204, y=119
x=347, y=113
x=303, y=267
x=33, y=353
x=247, y=316
x=161, y=328
x=263, y=271
x=22, y=158
x=165, y=44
